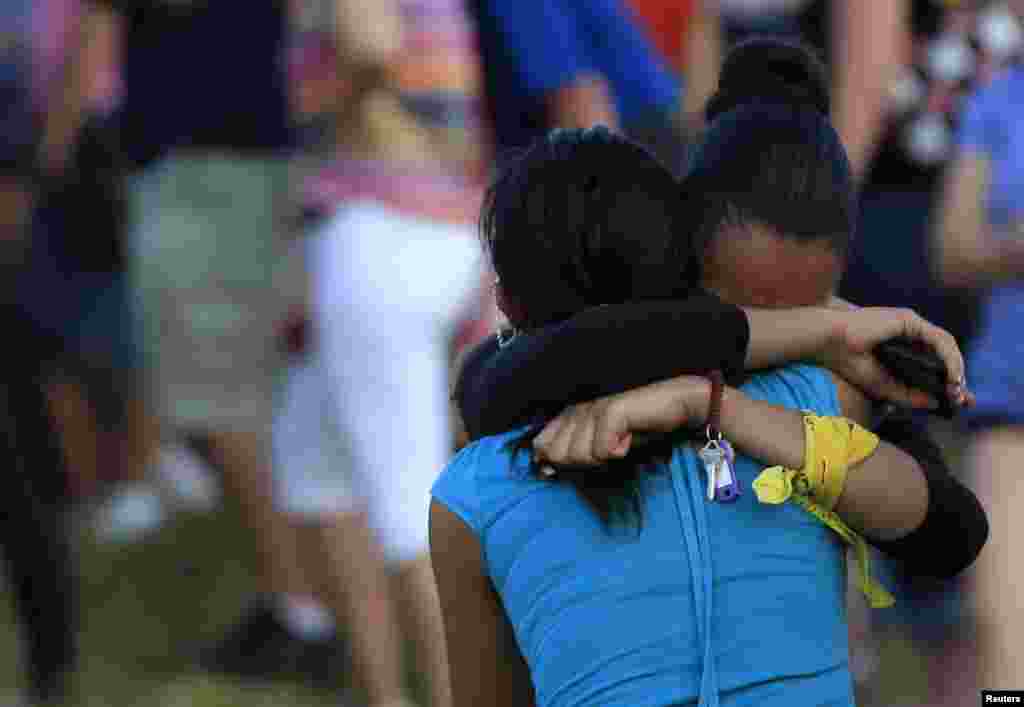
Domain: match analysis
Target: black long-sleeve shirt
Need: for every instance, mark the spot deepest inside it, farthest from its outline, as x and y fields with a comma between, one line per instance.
x=611, y=349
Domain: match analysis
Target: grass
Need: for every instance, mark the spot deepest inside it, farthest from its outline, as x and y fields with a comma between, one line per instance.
x=147, y=608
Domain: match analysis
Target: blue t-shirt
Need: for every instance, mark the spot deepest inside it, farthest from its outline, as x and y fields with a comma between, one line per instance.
x=993, y=127
x=532, y=47
x=736, y=604
x=213, y=77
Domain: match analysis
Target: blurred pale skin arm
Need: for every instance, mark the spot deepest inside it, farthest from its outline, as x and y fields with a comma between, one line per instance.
x=702, y=56
x=91, y=39
x=966, y=252
x=585, y=102
x=369, y=34
x=870, y=38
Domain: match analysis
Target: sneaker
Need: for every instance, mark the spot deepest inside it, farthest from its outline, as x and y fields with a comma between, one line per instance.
x=132, y=514
x=259, y=646
x=321, y=663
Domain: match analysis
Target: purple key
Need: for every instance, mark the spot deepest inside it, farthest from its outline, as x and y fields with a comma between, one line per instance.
x=728, y=487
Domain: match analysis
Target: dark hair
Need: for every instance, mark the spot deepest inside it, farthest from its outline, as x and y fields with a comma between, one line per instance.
x=20, y=123
x=769, y=154
x=586, y=218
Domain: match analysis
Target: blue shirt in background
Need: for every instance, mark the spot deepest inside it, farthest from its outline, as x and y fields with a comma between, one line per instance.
x=993, y=127
x=735, y=604
x=532, y=47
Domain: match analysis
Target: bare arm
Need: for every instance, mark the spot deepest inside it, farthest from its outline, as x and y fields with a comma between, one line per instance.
x=484, y=661
x=369, y=34
x=967, y=253
x=68, y=106
x=869, y=37
x=702, y=57
x=885, y=496
x=583, y=103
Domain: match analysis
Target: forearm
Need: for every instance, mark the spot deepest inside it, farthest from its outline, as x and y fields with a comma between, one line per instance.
x=702, y=56
x=544, y=371
x=869, y=38
x=995, y=260
x=885, y=496
x=779, y=336
x=585, y=102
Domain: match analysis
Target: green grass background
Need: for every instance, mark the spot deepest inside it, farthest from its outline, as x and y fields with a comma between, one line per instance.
x=146, y=610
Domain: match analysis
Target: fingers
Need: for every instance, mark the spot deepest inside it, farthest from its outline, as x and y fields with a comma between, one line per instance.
x=584, y=435
x=945, y=345
x=938, y=339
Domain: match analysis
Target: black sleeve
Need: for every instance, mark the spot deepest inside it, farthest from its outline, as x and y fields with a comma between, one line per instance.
x=598, y=352
x=955, y=527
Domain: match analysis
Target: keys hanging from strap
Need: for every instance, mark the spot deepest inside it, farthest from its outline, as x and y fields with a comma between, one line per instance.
x=717, y=455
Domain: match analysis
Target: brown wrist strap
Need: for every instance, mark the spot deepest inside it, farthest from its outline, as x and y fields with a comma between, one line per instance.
x=715, y=404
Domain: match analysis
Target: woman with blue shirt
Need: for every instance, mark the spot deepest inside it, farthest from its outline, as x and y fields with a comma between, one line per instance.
x=550, y=598
x=981, y=244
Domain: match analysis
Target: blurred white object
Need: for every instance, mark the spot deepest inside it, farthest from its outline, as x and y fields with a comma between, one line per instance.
x=999, y=31
x=907, y=92
x=929, y=139
x=951, y=58
x=186, y=479
x=131, y=514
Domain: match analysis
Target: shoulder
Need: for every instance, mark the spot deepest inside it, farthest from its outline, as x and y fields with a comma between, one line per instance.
x=799, y=386
x=484, y=477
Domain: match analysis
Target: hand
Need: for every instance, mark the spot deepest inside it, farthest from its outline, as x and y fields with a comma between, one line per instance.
x=861, y=329
x=592, y=433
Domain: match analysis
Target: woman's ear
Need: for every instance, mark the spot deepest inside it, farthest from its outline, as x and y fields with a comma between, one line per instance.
x=508, y=306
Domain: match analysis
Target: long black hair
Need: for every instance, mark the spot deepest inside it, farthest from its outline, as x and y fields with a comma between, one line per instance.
x=586, y=218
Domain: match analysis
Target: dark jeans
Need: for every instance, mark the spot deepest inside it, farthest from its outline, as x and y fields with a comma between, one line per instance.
x=37, y=553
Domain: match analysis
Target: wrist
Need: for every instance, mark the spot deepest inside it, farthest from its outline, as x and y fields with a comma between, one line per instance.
x=732, y=401
x=830, y=323
x=699, y=402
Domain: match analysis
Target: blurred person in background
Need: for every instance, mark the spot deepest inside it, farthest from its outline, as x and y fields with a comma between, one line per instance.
x=37, y=554
x=394, y=267
x=980, y=243
x=688, y=35
x=204, y=128
x=576, y=63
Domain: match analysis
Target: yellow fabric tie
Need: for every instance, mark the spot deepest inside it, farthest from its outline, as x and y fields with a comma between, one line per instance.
x=832, y=446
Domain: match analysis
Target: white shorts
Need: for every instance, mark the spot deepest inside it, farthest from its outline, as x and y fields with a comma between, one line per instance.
x=365, y=420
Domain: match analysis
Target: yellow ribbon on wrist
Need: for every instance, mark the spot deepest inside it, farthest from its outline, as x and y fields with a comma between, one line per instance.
x=832, y=446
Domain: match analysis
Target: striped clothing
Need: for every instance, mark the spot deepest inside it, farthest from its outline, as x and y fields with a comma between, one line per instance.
x=438, y=80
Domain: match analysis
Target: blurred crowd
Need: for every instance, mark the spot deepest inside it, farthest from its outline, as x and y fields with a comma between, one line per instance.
x=239, y=260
